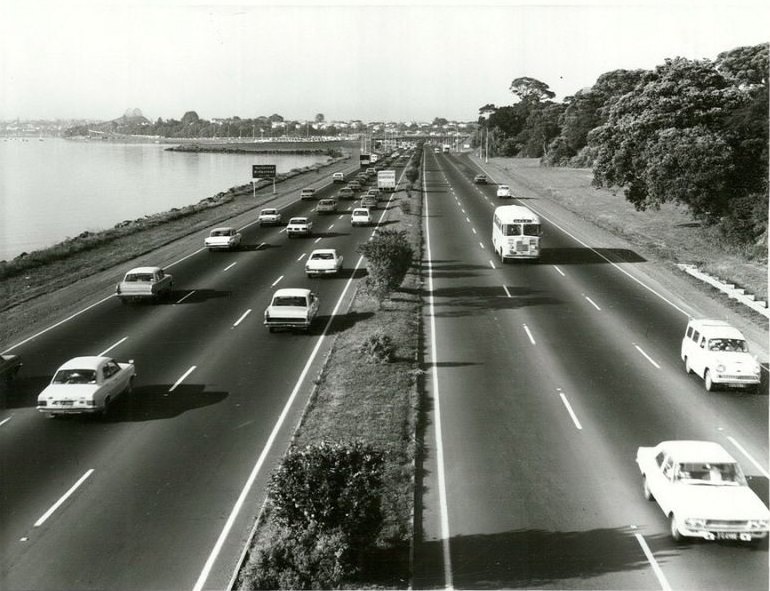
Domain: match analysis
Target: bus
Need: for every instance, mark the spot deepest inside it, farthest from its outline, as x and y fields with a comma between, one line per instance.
x=516, y=233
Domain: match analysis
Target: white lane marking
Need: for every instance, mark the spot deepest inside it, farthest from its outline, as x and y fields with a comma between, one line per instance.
x=444, y=507
x=260, y=245
x=647, y=357
x=269, y=444
x=492, y=264
x=282, y=230
x=273, y=284
x=340, y=217
x=508, y=293
x=302, y=256
x=185, y=297
x=570, y=411
x=64, y=497
x=230, y=266
x=110, y=348
x=243, y=316
x=463, y=210
x=529, y=334
x=653, y=563
x=474, y=230
x=180, y=380
x=467, y=219
x=317, y=240
x=757, y=465
x=4, y=421
x=559, y=270
x=330, y=227
x=481, y=244
x=590, y=301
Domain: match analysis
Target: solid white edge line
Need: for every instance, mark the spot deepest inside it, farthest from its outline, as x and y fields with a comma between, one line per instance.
x=246, y=313
x=647, y=357
x=185, y=297
x=4, y=421
x=230, y=266
x=63, y=498
x=110, y=348
x=269, y=444
x=570, y=411
x=180, y=380
x=273, y=284
x=529, y=334
x=757, y=465
x=444, y=507
x=653, y=563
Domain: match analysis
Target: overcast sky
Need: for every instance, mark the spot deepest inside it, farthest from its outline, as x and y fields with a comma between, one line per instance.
x=348, y=60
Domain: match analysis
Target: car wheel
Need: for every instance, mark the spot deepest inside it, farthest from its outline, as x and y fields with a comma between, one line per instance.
x=646, y=489
x=710, y=385
x=687, y=366
x=129, y=387
x=674, y=527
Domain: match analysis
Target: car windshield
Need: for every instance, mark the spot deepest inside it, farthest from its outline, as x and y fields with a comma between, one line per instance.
x=75, y=376
x=322, y=256
x=145, y=277
x=733, y=345
x=289, y=301
x=721, y=474
x=299, y=220
x=268, y=212
x=220, y=232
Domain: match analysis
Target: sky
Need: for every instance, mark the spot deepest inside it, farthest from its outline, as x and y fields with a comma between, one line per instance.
x=374, y=61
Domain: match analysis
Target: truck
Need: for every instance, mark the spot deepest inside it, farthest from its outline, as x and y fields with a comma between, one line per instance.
x=144, y=283
x=386, y=180
x=291, y=308
x=447, y=148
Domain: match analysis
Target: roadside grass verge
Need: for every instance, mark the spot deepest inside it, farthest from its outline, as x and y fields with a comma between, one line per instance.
x=359, y=399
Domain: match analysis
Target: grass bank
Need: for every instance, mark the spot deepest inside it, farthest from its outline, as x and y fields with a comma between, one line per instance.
x=358, y=399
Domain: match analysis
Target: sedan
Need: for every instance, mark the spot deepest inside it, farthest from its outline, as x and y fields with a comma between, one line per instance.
x=480, y=179
x=702, y=491
x=361, y=217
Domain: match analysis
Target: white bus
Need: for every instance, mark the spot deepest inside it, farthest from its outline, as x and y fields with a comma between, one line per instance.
x=516, y=233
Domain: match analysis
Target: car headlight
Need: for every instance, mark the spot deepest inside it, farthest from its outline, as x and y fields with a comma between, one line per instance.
x=694, y=522
x=720, y=367
x=758, y=524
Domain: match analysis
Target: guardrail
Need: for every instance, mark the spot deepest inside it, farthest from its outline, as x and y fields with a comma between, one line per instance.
x=733, y=292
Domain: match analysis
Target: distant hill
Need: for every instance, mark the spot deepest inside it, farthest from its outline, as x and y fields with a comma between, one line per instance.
x=128, y=123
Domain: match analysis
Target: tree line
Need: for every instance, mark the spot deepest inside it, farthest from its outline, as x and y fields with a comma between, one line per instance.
x=691, y=132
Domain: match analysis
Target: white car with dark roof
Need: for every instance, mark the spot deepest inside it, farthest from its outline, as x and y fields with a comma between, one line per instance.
x=225, y=238
x=702, y=491
x=323, y=261
x=269, y=216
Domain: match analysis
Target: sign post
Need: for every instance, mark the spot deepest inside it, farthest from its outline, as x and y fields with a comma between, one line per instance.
x=262, y=171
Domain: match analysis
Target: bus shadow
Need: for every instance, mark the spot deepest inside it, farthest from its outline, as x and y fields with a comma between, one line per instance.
x=584, y=256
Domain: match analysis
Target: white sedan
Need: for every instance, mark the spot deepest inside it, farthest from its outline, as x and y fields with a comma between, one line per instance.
x=269, y=216
x=361, y=216
x=702, y=491
x=225, y=238
x=86, y=385
x=323, y=261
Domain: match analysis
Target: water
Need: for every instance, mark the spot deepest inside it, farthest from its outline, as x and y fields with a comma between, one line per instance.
x=53, y=189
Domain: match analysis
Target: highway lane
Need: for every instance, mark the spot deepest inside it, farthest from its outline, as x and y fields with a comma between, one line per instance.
x=172, y=459
x=547, y=382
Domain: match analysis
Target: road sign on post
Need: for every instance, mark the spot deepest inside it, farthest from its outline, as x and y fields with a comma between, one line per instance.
x=262, y=171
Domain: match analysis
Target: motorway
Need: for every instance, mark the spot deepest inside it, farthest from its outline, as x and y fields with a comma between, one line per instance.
x=163, y=493
x=544, y=378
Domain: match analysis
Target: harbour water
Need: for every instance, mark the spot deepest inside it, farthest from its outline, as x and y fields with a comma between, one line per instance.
x=52, y=189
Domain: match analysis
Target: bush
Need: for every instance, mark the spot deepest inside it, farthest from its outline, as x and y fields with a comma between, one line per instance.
x=389, y=256
x=331, y=487
x=412, y=174
x=405, y=206
x=379, y=347
x=303, y=559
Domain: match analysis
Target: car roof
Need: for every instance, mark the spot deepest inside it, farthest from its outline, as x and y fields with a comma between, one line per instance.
x=223, y=229
x=269, y=209
x=360, y=210
x=92, y=362
x=144, y=270
x=696, y=451
x=292, y=292
x=298, y=219
x=323, y=250
x=710, y=328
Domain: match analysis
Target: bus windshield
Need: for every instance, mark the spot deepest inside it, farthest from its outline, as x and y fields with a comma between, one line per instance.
x=531, y=229
x=512, y=230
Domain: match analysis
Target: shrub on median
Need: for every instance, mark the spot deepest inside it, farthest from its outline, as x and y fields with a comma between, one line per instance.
x=388, y=258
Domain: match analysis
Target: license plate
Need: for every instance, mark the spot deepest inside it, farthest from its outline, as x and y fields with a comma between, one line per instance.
x=727, y=536
x=67, y=402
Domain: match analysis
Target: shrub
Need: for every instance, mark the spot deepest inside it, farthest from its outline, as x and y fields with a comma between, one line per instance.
x=379, y=347
x=304, y=558
x=331, y=487
x=412, y=174
x=405, y=206
x=389, y=256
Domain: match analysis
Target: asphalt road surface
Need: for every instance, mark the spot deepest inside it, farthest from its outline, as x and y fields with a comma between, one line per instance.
x=162, y=494
x=545, y=378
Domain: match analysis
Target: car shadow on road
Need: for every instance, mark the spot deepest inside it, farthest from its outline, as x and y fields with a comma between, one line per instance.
x=340, y=323
x=583, y=256
x=453, y=302
x=531, y=558
x=345, y=273
x=154, y=402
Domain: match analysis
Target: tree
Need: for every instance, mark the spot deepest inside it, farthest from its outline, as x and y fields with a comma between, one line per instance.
x=530, y=89
x=190, y=117
x=439, y=122
x=388, y=257
x=667, y=139
x=319, y=118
